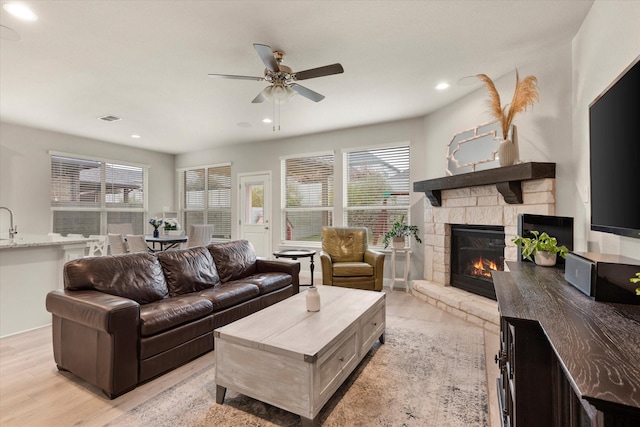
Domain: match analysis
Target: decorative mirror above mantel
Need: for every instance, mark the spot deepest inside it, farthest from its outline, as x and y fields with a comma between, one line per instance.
x=476, y=149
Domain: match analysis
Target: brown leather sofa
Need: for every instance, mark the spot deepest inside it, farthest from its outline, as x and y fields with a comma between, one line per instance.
x=124, y=319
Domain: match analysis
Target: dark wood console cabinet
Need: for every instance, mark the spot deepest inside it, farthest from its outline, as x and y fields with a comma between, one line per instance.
x=565, y=360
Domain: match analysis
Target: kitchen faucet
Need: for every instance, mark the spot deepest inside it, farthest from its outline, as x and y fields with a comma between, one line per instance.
x=12, y=230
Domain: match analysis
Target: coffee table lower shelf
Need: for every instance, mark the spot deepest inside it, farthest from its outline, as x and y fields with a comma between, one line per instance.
x=296, y=360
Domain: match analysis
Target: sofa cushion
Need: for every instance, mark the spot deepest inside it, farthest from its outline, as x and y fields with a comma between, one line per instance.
x=268, y=282
x=188, y=270
x=135, y=276
x=234, y=260
x=349, y=269
x=172, y=312
x=230, y=293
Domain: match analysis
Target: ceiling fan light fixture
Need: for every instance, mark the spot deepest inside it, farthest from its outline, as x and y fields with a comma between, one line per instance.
x=278, y=93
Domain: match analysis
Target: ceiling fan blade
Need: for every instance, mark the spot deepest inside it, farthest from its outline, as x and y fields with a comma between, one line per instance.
x=307, y=93
x=230, y=76
x=327, y=70
x=259, y=99
x=266, y=54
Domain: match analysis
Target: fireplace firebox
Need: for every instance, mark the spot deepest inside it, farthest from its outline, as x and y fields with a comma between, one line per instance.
x=476, y=250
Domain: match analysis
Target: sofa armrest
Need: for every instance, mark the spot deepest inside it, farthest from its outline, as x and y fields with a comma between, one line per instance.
x=95, y=336
x=327, y=268
x=376, y=259
x=94, y=309
x=282, y=266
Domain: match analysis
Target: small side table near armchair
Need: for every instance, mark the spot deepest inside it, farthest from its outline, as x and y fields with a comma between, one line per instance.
x=407, y=265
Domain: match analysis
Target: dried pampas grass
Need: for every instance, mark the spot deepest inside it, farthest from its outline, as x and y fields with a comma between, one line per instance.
x=525, y=94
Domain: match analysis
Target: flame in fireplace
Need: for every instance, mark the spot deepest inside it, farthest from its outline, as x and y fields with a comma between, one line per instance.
x=482, y=267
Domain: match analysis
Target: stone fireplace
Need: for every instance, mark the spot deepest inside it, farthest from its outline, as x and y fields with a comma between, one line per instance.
x=486, y=198
x=476, y=251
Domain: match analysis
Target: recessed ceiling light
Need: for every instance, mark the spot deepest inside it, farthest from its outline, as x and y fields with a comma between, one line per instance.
x=135, y=136
x=442, y=86
x=20, y=11
x=267, y=120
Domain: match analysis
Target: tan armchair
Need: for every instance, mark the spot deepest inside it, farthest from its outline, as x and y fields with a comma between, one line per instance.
x=348, y=262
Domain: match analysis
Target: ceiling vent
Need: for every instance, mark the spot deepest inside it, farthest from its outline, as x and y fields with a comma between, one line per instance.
x=110, y=118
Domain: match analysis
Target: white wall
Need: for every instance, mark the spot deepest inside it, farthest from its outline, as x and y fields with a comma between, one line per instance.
x=607, y=42
x=25, y=173
x=265, y=156
x=544, y=131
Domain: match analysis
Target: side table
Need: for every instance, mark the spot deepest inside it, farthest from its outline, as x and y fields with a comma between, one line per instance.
x=294, y=254
x=407, y=264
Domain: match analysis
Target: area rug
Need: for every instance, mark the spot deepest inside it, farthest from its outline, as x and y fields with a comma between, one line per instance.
x=426, y=374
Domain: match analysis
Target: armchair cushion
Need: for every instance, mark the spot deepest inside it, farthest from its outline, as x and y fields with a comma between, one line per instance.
x=349, y=269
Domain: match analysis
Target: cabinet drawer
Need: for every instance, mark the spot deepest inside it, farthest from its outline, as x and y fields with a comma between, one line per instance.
x=342, y=356
x=372, y=327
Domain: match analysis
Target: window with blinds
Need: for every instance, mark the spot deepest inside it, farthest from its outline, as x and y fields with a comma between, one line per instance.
x=307, y=199
x=89, y=194
x=376, y=189
x=205, y=194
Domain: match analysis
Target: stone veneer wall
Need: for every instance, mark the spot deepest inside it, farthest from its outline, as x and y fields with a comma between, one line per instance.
x=482, y=205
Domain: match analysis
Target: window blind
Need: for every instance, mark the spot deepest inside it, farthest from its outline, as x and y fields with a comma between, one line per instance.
x=205, y=193
x=376, y=189
x=89, y=194
x=308, y=196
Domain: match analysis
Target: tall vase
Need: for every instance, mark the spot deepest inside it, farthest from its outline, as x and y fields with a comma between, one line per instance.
x=156, y=233
x=507, y=152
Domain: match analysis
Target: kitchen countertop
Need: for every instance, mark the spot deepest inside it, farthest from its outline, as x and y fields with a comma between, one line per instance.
x=35, y=240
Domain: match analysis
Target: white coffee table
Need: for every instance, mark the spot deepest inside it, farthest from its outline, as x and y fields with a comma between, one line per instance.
x=294, y=359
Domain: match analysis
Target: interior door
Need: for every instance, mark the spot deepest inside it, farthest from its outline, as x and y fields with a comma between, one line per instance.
x=255, y=218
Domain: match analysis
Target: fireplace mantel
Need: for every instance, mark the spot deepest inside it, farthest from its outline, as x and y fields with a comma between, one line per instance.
x=508, y=181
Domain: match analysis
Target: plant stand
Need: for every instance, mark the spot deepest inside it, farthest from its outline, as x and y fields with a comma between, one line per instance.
x=407, y=263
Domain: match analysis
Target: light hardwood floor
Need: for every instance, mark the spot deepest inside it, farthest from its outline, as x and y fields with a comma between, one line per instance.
x=34, y=393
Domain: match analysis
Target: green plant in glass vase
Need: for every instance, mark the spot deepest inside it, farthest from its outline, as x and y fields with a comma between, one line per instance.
x=399, y=231
x=542, y=247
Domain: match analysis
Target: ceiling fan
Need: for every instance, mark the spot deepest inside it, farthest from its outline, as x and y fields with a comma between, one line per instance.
x=282, y=78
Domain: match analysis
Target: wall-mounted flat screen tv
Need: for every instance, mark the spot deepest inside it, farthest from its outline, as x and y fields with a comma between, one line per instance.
x=614, y=136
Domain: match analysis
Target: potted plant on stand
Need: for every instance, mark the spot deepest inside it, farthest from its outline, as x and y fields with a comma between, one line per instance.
x=542, y=247
x=398, y=232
